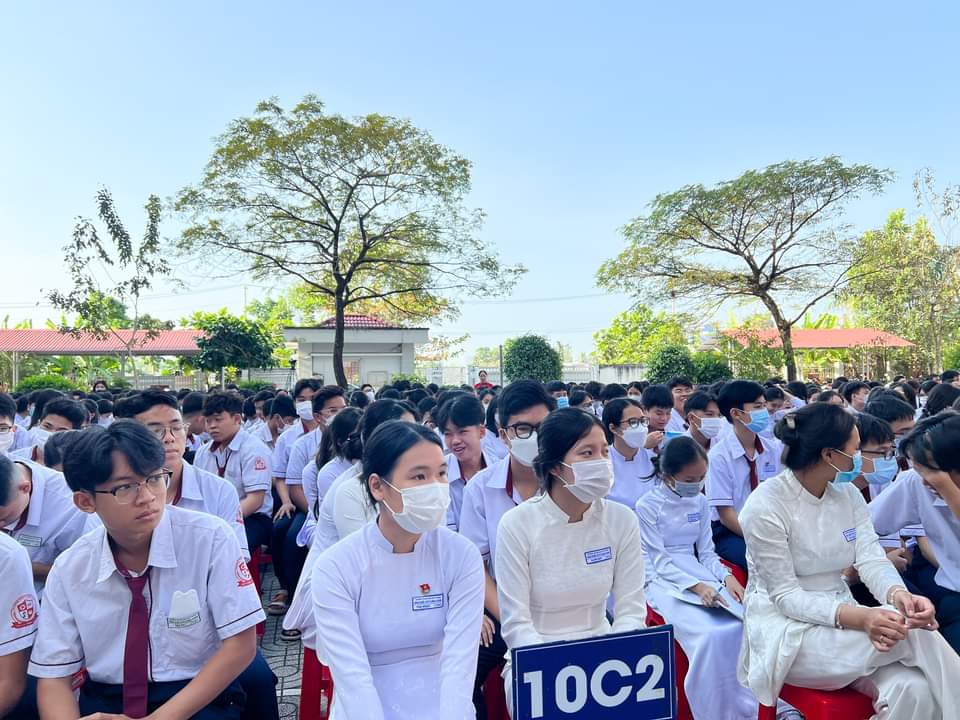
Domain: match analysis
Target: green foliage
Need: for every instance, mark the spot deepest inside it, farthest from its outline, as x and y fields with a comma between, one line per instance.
x=486, y=357
x=752, y=356
x=231, y=341
x=634, y=335
x=669, y=361
x=43, y=382
x=710, y=366
x=531, y=357
x=255, y=385
x=412, y=378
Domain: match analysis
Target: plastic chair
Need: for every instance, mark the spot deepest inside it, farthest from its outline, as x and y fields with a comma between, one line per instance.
x=682, y=665
x=845, y=704
x=494, y=695
x=738, y=572
x=316, y=688
x=254, y=566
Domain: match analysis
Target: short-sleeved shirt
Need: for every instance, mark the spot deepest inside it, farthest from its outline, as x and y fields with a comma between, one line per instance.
x=457, y=484
x=728, y=476
x=301, y=453
x=199, y=593
x=283, y=446
x=676, y=423
x=244, y=462
x=18, y=600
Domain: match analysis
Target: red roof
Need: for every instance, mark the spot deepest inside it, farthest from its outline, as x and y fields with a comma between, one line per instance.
x=358, y=322
x=53, y=342
x=806, y=339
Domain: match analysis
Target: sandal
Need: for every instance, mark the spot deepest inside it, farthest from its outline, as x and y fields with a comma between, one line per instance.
x=292, y=635
x=278, y=605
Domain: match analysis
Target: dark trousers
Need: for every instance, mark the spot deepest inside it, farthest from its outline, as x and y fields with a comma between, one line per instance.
x=487, y=659
x=729, y=545
x=288, y=557
x=99, y=697
x=260, y=685
x=920, y=579
x=258, y=527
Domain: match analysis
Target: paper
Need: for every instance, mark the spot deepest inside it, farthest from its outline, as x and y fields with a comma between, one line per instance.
x=733, y=607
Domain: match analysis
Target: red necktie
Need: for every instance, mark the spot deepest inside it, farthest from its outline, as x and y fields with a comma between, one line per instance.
x=754, y=481
x=136, y=649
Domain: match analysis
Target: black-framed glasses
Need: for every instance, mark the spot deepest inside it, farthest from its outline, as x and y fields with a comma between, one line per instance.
x=885, y=454
x=175, y=428
x=127, y=493
x=522, y=430
x=633, y=422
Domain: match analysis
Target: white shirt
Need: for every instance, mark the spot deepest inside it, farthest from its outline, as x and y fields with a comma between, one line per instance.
x=554, y=576
x=18, y=600
x=304, y=451
x=400, y=631
x=316, y=483
x=245, y=463
x=676, y=423
x=86, y=602
x=671, y=528
x=458, y=483
x=263, y=434
x=632, y=479
x=281, y=450
x=352, y=508
x=326, y=533
x=907, y=501
x=797, y=547
x=22, y=422
x=195, y=442
x=728, y=476
x=493, y=446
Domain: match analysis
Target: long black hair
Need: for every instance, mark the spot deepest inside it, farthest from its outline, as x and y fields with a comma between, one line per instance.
x=559, y=432
x=336, y=435
x=809, y=431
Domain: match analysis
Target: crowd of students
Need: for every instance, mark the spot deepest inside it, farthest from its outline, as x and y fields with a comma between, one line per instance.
x=419, y=533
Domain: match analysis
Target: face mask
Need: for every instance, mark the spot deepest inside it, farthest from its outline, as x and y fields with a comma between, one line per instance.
x=922, y=401
x=525, y=450
x=635, y=437
x=6, y=440
x=105, y=420
x=40, y=436
x=845, y=476
x=327, y=421
x=371, y=394
x=592, y=479
x=884, y=471
x=759, y=419
x=424, y=507
x=305, y=410
x=687, y=489
x=711, y=427
x=563, y=402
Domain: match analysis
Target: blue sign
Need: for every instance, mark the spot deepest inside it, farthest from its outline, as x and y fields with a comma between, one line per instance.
x=628, y=675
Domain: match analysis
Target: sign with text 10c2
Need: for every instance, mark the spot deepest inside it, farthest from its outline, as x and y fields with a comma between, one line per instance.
x=627, y=675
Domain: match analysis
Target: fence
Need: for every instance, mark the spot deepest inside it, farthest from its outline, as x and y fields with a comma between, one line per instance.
x=172, y=382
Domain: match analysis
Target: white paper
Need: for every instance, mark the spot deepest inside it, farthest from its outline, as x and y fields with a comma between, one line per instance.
x=732, y=607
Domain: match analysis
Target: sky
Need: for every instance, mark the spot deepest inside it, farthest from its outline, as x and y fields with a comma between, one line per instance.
x=574, y=116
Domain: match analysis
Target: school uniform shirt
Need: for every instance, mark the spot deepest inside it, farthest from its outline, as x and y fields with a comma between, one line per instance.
x=907, y=502
x=891, y=541
x=281, y=450
x=728, y=474
x=493, y=446
x=263, y=434
x=326, y=533
x=21, y=422
x=352, y=508
x=632, y=479
x=316, y=483
x=195, y=442
x=458, y=483
x=251, y=426
x=676, y=423
x=399, y=631
x=30, y=454
x=244, y=462
x=199, y=593
x=22, y=438
x=18, y=600
x=303, y=452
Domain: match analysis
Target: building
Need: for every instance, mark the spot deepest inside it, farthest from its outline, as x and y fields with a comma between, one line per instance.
x=373, y=350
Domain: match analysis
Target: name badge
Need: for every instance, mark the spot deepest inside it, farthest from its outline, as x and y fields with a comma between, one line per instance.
x=598, y=556
x=183, y=622
x=427, y=602
x=30, y=540
x=850, y=535
x=769, y=468
x=693, y=517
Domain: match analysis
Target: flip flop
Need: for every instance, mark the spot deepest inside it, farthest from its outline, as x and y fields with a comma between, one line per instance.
x=278, y=605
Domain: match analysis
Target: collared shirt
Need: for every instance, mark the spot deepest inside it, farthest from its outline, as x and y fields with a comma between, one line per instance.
x=263, y=434
x=303, y=451
x=30, y=453
x=245, y=463
x=18, y=600
x=676, y=423
x=457, y=483
x=316, y=483
x=907, y=502
x=326, y=533
x=195, y=442
x=632, y=479
x=728, y=476
x=493, y=446
x=281, y=450
x=199, y=593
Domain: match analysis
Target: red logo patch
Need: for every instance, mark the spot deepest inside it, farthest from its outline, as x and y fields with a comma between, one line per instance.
x=24, y=612
x=259, y=464
x=243, y=574
x=424, y=588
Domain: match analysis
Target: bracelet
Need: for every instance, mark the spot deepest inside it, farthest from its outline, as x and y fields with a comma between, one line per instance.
x=892, y=593
x=836, y=619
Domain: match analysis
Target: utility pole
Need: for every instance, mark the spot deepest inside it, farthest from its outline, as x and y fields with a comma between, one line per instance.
x=502, y=379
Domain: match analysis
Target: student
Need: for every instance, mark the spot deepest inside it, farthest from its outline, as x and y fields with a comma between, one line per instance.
x=58, y=415
x=896, y=411
x=739, y=462
x=403, y=598
x=657, y=401
x=635, y=390
x=326, y=403
x=426, y=408
x=99, y=385
x=702, y=415
x=802, y=625
x=798, y=393
x=522, y=405
x=855, y=393
x=250, y=419
x=829, y=396
x=280, y=416
x=22, y=417
x=184, y=648
x=241, y=459
x=492, y=445
x=679, y=558
x=9, y=426
x=303, y=393
x=581, y=399
x=367, y=389
x=259, y=400
x=930, y=497
x=559, y=392
x=105, y=409
x=560, y=555
x=625, y=427
x=680, y=389
x=940, y=398
x=461, y=422
x=192, y=408
x=17, y=632
x=951, y=377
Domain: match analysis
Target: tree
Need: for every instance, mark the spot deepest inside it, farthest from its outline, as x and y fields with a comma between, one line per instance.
x=752, y=355
x=634, y=335
x=230, y=341
x=771, y=235
x=670, y=361
x=912, y=289
x=709, y=367
x=441, y=348
x=486, y=357
x=531, y=357
x=363, y=211
x=109, y=276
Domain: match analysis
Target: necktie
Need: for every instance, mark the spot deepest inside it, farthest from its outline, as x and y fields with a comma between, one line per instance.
x=754, y=481
x=136, y=650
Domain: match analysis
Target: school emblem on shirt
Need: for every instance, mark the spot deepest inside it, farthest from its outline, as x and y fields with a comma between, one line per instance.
x=259, y=464
x=243, y=574
x=424, y=588
x=850, y=535
x=24, y=612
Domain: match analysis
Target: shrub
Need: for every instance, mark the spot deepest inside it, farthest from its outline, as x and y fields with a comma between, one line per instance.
x=411, y=378
x=710, y=366
x=43, y=382
x=531, y=357
x=255, y=385
x=669, y=361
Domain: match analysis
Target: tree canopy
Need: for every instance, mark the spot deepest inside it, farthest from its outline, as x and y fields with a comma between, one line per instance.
x=531, y=357
x=635, y=334
x=231, y=341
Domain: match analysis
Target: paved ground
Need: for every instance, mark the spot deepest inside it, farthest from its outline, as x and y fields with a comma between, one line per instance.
x=285, y=658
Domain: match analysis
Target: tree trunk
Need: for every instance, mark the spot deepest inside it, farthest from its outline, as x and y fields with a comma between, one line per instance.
x=789, y=355
x=341, y=376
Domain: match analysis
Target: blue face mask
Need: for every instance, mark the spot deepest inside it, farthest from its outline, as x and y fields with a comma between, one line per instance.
x=845, y=476
x=563, y=402
x=884, y=471
x=759, y=419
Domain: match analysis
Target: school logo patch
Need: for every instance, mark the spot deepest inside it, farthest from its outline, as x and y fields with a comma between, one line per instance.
x=260, y=464
x=24, y=612
x=243, y=574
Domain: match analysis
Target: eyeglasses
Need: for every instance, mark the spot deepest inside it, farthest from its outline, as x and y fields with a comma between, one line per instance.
x=523, y=430
x=5, y=428
x=633, y=422
x=160, y=431
x=128, y=492
x=885, y=454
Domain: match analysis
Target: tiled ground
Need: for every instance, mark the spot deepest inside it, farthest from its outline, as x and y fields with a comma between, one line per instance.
x=285, y=658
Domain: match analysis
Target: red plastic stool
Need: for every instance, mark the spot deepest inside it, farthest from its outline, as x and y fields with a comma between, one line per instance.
x=845, y=704
x=494, y=696
x=316, y=688
x=738, y=572
x=254, y=566
x=654, y=619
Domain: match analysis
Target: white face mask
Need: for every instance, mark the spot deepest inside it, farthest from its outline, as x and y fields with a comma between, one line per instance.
x=6, y=440
x=711, y=427
x=424, y=507
x=371, y=394
x=635, y=437
x=39, y=435
x=305, y=410
x=525, y=450
x=687, y=489
x=328, y=420
x=592, y=479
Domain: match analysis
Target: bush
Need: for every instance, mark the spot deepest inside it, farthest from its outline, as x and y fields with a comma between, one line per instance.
x=43, y=382
x=531, y=357
x=709, y=367
x=255, y=385
x=669, y=361
x=951, y=358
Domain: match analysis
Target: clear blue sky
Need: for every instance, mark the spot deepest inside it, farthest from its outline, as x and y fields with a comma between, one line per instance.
x=574, y=115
